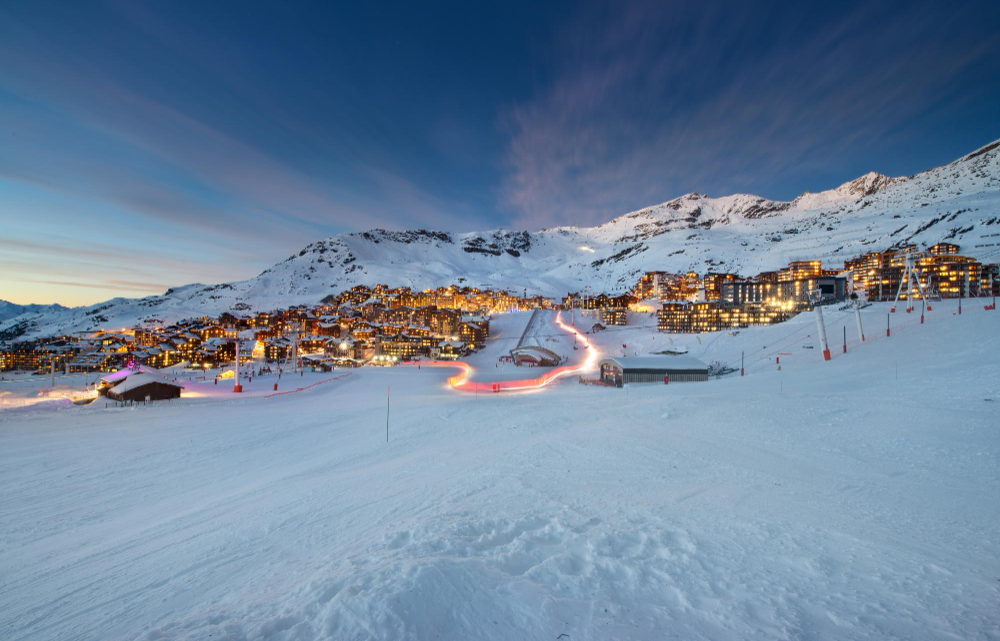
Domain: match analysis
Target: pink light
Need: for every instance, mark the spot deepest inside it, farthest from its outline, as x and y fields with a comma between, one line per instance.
x=461, y=381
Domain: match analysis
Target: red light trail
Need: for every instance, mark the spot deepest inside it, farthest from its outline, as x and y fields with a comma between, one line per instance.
x=462, y=381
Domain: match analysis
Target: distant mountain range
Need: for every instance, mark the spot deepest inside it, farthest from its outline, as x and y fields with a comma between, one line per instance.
x=10, y=310
x=959, y=202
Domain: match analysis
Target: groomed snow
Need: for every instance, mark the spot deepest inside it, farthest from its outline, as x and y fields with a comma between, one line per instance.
x=834, y=500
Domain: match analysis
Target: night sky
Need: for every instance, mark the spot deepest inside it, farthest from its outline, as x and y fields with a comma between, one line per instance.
x=151, y=144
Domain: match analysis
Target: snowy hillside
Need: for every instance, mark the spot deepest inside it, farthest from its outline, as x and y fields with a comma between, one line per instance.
x=850, y=499
x=742, y=233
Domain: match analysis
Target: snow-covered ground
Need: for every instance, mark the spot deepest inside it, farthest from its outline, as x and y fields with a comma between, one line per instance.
x=506, y=331
x=855, y=499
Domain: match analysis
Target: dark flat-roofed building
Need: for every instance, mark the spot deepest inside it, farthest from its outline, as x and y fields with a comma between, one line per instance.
x=623, y=370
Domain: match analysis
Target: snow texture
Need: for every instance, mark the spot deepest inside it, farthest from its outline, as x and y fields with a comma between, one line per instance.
x=850, y=499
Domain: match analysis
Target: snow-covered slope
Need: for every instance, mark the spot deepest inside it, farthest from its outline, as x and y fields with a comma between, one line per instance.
x=781, y=505
x=742, y=233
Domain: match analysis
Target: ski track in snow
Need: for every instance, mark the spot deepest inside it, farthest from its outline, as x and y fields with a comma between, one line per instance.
x=827, y=500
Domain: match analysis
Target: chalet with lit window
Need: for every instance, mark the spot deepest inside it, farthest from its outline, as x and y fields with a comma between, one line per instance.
x=474, y=331
x=346, y=348
x=402, y=346
x=328, y=326
x=449, y=350
x=278, y=349
x=614, y=317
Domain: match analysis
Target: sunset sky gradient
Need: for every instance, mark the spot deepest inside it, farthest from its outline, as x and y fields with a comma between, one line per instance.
x=147, y=145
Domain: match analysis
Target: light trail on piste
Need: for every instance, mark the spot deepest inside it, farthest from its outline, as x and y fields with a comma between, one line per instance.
x=462, y=382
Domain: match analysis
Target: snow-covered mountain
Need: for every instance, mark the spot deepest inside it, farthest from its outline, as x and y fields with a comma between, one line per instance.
x=959, y=202
x=9, y=310
x=16, y=320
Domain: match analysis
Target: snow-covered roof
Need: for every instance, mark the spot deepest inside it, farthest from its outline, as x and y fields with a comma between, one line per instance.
x=122, y=374
x=138, y=380
x=655, y=362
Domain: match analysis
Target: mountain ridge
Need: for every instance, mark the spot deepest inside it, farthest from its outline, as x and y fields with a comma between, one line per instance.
x=741, y=233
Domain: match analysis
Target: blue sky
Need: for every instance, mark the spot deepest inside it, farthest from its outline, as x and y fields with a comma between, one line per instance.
x=145, y=145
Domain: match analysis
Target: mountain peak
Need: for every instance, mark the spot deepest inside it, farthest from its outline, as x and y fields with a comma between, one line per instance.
x=871, y=183
x=738, y=233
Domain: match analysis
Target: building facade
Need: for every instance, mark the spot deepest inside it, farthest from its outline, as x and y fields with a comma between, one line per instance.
x=689, y=318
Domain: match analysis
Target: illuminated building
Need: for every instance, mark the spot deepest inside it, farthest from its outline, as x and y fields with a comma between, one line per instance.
x=278, y=349
x=598, y=301
x=941, y=271
x=943, y=249
x=801, y=269
x=712, y=284
x=405, y=347
x=614, y=316
x=989, y=280
x=450, y=350
x=653, y=285
x=686, y=318
x=37, y=356
x=784, y=292
x=474, y=332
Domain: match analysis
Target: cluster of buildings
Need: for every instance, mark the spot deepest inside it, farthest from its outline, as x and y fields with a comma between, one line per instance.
x=940, y=270
x=382, y=325
x=720, y=301
x=39, y=355
x=377, y=325
x=195, y=341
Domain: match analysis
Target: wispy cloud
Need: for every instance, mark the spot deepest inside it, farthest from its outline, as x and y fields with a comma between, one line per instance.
x=222, y=167
x=655, y=100
x=184, y=143
x=112, y=285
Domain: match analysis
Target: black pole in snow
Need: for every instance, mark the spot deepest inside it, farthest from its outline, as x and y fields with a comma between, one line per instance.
x=387, y=414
